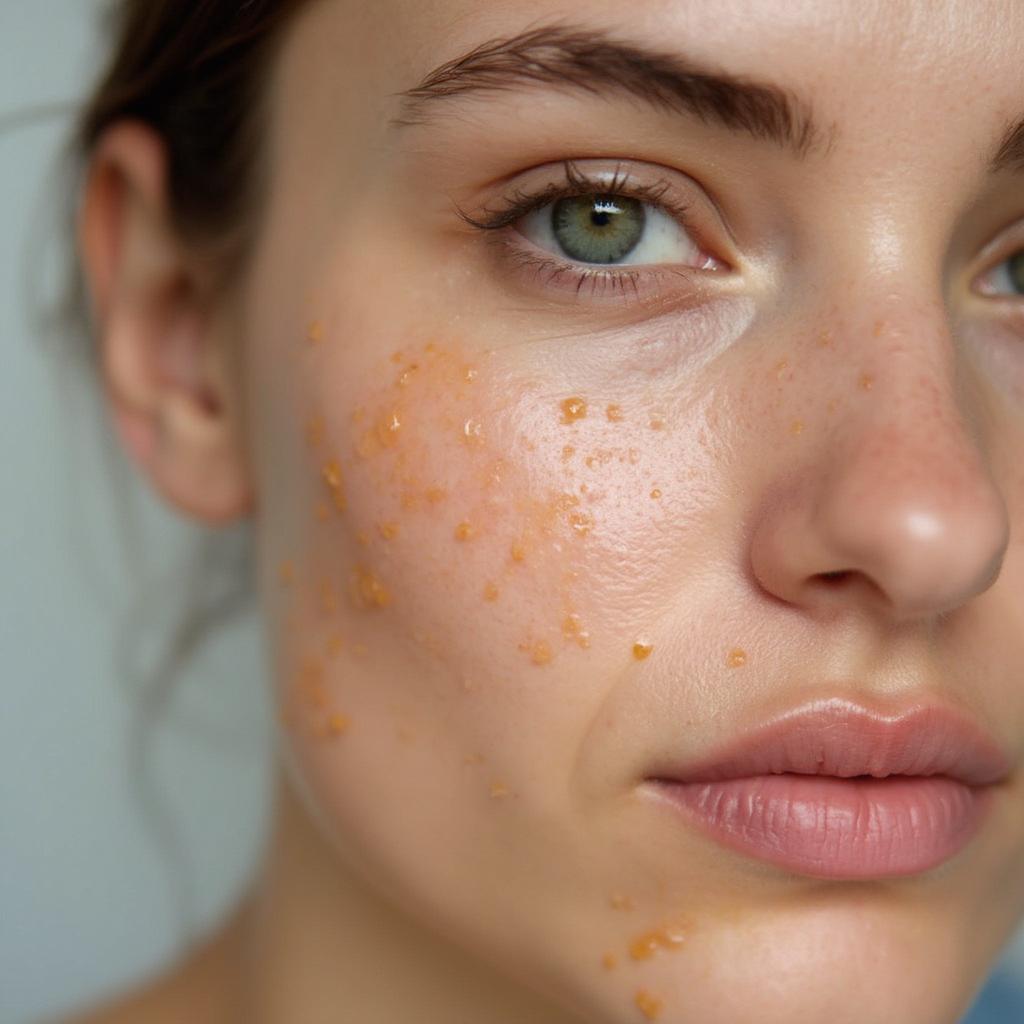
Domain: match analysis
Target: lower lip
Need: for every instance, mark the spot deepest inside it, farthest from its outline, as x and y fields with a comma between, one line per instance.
x=829, y=827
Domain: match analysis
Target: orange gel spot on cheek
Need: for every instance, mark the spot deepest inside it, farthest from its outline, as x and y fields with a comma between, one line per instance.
x=825, y=339
x=518, y=552
x=614, y=413
x=796, y=427
x=648, y=1005
x=315, y=332
x=388, y=531
x=464, y=531
x=498, y=790
x=573, y=409
x=368, y=591
x=491, y=592
x=642, y=649
x=737, y=657
x=539, y=651
x=572, y=629
x=337, y=723
x=867, y=382
x=655, y=493
x=657, y=422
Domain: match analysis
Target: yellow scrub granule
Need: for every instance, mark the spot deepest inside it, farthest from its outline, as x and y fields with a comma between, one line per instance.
x=641, y=649
x=737, y=657
x=573, y=409
x=648, y=1005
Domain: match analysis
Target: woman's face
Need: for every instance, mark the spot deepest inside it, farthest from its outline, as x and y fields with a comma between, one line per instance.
x=560, y=495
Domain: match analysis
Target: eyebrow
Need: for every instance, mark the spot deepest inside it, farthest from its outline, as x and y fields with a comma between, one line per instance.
x=594, y=62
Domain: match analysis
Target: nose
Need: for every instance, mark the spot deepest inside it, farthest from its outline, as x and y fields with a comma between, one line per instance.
x=895, y=510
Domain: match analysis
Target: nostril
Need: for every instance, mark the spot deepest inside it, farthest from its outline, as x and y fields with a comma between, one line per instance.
x=834, y=577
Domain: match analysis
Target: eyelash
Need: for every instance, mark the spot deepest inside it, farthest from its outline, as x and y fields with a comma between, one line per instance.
x=518, y=203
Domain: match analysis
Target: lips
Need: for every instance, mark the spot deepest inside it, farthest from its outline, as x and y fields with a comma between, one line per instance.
x=890, y=794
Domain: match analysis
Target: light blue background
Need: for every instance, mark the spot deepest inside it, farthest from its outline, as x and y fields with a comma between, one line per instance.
x=87, y=903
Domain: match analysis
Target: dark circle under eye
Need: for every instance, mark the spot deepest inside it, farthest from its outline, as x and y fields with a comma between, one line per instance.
x=1016, y=270
x=597, y=229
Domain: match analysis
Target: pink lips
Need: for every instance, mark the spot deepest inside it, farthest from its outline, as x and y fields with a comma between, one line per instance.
x=835, y=790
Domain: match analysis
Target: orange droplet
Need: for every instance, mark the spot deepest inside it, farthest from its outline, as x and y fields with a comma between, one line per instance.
x=780, y=368
x=337, y=723
x=796, y=427
x=608, y=961
x=464, y=531
x=315, y=332
x=470, y=374
x=491, y=592
x=473, y=432
x=614, y=413
x=568, y=452
x=368, y=591
x=657, y=422
x=649, y=1006
x=573, y=409
x=389, y=428
x=737, y=657
x=498, y=790
x=641, y=649
x=435, y=494
x=388, y=531
x=332, y=475
x=580, y=522
x=655, y=493
x=539, y=651
x=867, y=381
x=518, y=552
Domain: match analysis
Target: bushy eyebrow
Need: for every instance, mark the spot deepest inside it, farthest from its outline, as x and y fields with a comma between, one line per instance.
x=594, y=62
x=1010, y=155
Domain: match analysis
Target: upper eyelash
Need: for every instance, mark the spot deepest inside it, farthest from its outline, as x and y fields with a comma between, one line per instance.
x=519, y=203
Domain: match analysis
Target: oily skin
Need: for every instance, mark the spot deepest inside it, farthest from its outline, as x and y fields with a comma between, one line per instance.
x=516, y=548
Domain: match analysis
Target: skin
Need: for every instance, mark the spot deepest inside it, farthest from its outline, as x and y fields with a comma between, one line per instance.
x=455, y=566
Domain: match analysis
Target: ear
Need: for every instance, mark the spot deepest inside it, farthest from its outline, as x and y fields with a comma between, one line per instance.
x=164, y=340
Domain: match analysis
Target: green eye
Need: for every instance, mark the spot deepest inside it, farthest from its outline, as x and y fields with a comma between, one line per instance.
x=597, y=228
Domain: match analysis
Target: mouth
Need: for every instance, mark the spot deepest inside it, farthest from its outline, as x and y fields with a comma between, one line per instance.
x=835, y=790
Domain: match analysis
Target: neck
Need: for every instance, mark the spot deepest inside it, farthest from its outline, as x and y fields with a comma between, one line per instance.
x=322, y=946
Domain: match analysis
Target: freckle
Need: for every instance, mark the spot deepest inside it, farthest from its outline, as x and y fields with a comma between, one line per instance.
x=657, y=422
x=315, y=431
x=649, y=1006
x=573, y=409
x=435, y=494
x=498, y=790
x=286, y=574
x=539, y=651
x=796, y=427
x=655, y=493
x=866, y=381
x=518, y=552
x=642, y=649
x=387, y=531
x=781, y=367
x=614, y=413
x=580, y=522
x=315, y=333
x=368, y=591
x=337, y=723
x=335, y=644
x=491, y=592
x=568, y=452
x=618, y=901
x=608, y=961
x=737, y=658
x=464, y=531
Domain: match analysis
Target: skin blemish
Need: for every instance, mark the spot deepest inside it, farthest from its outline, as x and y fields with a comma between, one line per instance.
x=367, y=590
x=315, y=332
x=539, y=651
x=573, y=409
x=736, y=658
x=648, y=1005
x=619, y=901
x=498, y=790
x=517, y=552
x=608, y=961
x=614, y=413
x=657, y=422
x=491, y=592
x=642, y=649
x=472, y=432
x=655, y=493
x=780, y=368
x=464, y=531
x=572, y=630
x=866, y=381
x=332, y=476
x=435, y=495
x=796, y=427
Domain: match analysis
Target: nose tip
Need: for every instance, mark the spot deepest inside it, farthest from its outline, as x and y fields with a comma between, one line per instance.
x=903, y=516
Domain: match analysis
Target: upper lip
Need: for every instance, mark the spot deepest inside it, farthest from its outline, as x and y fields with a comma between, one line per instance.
x=840, y=737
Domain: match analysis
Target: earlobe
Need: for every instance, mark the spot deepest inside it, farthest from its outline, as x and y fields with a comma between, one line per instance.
x=163, y=348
